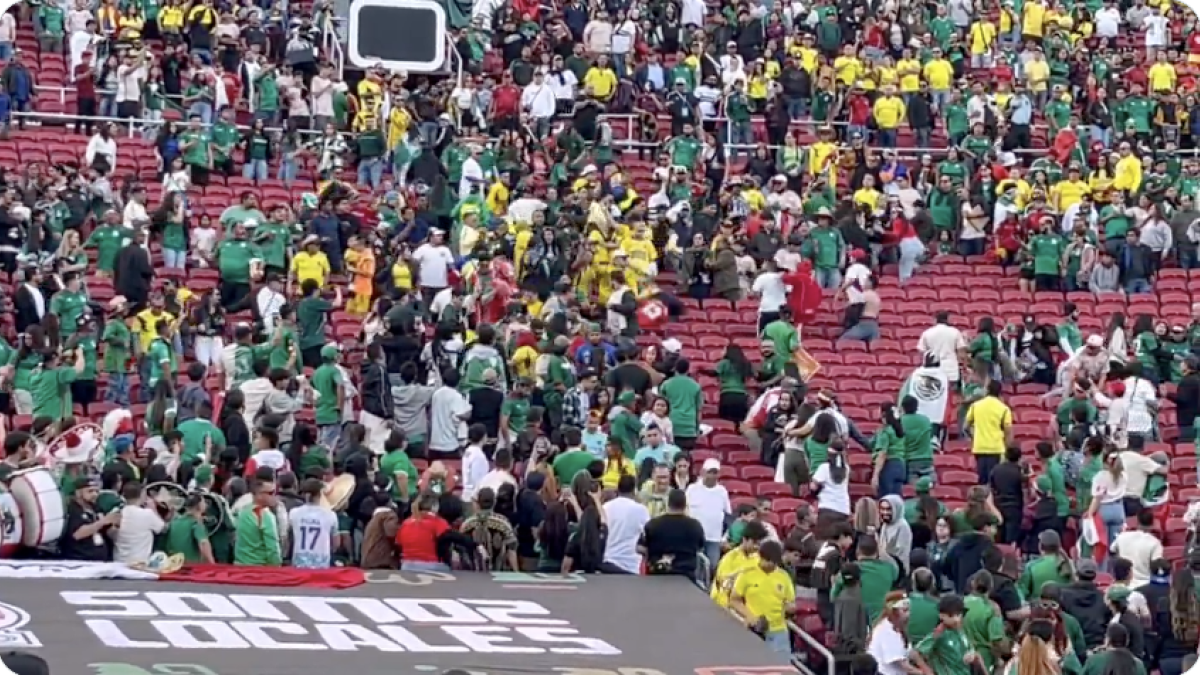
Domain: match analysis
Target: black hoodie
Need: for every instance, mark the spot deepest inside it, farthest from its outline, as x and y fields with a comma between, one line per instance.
x=965, y=558
x=1085, y=602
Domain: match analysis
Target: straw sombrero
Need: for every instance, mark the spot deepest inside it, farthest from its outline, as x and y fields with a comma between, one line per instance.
x=337, y=492
x=77, y=445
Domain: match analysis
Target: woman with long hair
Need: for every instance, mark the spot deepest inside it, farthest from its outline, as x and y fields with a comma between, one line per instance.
x=208, y=326
x=985, y=348
x=1108, y=493
x=732, y=371
x=659, y=414
x=773, y=430
x=979, y=503
x=831, y=485
x=552, y=537
x=70, y=256
x=865, y=520
x=1035, y=654
x=681, y=471
x=1051, y=566
x=1177, y=622
x=160, y=413
x=585, y=551
x=616, y=464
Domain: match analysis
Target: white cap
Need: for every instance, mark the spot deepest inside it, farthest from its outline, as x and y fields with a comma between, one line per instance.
x=1095, y=341
x=672, y=345
x=711, y=464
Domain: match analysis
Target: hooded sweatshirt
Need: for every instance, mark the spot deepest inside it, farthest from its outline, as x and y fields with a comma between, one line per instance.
x=1085, y=602
x=965, y=558
x=896, y=537
x=478, y=359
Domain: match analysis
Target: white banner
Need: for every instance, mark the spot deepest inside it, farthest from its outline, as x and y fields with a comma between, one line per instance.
x=70, y=569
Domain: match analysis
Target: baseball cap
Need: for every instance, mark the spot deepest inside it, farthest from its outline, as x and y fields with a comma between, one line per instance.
x=711, y=464
x=1086, y=569
x=1095, y=341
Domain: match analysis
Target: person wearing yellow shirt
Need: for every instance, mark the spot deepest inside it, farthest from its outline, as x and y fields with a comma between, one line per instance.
x=868, y=196
x=147, y=321
x=940, y=76
x=1067, y=193
x=765, y=596
x=1033, y=21
x=600, y=81
x=643, y=258
x=847, y=66
x=737, y=561
x=1037, y=78
x=888, y=112
x=1162, y=75
x=991, y=422
x=498, y=195
x=170, y=20
x=806, y=54
x=309, y=263
x=983, y=39
x=909, y=71
x=1128, y=170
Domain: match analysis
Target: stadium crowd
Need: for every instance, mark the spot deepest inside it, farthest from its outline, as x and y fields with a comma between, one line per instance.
x=466, y=336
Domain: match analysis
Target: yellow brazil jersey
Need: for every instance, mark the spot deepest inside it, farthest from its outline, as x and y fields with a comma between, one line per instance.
x=205, y=16
x=613, y=471
x=732, y=564
x=370, y=101
x=819, y=155
x=869, y=197
x=1129, y=174
x=641, y=253
x=1162, y=77
x=1001, y=99
x=888, y=112
x=760, y=86
x=848, y=69
x=1024, y=190
x=910, y=75
x=808, y=59
x=1100, y=181
x=868, y=79
x=1033, y=19
x=755, y=200
x=399, y=119
x=523, y=361
x=402, y=276
x=886, y=75
x=307, y=266
x=601, y=81
x=171, y=18
x=939, y=74
x=497, y=198
x=602, y=255
x=766, y=595
x=1006, y=20
x=1068, y=193
x=989, y=417
x=1037, y=74
x=983, y=35
x=147, y=326
x=773, y=69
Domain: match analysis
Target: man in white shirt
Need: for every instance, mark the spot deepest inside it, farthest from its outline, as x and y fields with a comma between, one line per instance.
x=448, y=411
x=130, y=76
x=270, y=300
x=474, y=462
x=472, y=172
x=946, y=343
x=539, y=102
x=627, y=520
x=772, y=294
x=856, y=275
x=434, y=261
x=322, y=93
x=1108, y=20
x=134, y=540
x=501, y=474
x=1138, y=468
x=708, y=502
x=314, y=529
x=1139, y=547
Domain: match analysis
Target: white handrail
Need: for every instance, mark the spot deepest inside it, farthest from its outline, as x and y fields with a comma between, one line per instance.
x=811, y=641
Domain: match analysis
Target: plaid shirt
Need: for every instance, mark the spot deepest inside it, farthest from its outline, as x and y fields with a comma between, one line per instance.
x=576, y=404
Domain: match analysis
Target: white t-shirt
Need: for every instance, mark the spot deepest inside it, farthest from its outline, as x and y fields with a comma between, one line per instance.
x=1108, y=490
x=445, y=408
x=494, y=479
x=129, y=83
x=943, y=341
x=435, y=263
x=475, y=470
x=833, y=496
x=855, y=272
x=1139, y=548
x=135, y=538
x=626, y=521
x=1137, y=468
x=313, y=530
x=773, y=293
x=888, y=648
x=709, y=505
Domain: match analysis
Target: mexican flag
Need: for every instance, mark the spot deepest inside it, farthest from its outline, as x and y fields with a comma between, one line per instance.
x=931, y=388
x=1093, y=538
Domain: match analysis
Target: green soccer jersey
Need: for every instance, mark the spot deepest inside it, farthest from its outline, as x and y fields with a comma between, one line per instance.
x=326, y=381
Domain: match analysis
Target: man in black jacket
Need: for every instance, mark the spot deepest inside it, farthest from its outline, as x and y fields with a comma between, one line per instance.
x=920, y=115
x=1137, y=264
x=1187, y=399
x=377, y=408
x=1084, y=601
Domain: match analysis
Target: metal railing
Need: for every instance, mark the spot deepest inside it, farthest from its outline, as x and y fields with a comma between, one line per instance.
x=812, y=642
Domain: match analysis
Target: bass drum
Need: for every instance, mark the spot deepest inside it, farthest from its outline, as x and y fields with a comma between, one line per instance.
x=41, y=506
x=12, y=529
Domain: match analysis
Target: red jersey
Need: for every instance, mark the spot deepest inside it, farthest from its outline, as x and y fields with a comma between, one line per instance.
x=1193, y=43
x=417, y=537
x=507, y=100
x=494, y=308
x=859, y=110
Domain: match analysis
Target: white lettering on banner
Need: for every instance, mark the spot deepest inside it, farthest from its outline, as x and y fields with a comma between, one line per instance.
x=159, y=620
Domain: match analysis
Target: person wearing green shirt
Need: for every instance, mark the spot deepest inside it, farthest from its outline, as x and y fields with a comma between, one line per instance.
x=256, y=531
x=108, y=239
x=399, y=470
x=160, y=357
x=573, y=459
x=83, y=389
x=200, y=437
x=196, y=146
x=954, y=114
x=50, y=385
x=686, y=400
x=918, y=441
x=1139, y=111
x=225, y=138
x=186, y=534
x=782, y=332
x=1050, y=567
x=924, y=505
x=118, y=348
x=684, y=149
x=1116, y=645
x=284, y=352
x=69, y=304
x=624, y=426
x=876, y=576
x=514, y=412
x=887, y=460
x=274, y=241
x=51, y=23
x=234, y=257
x=946, y=650
x=330, y=389
x=922, y=606
x=731, y=372
x=1047, y=249
x=982, y=622
x=266, y=108
x=245, y=212
x=1064, y=416
x=829, y=251
x=311, y=317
